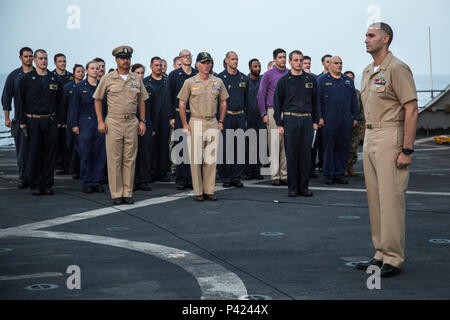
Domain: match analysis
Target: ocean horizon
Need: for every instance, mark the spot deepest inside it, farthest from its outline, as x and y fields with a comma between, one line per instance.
x=423, y=82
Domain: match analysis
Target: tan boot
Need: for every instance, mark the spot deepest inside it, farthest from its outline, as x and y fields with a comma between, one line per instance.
x=350, y=171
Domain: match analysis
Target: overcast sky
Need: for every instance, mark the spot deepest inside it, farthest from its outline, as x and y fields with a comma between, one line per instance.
x=84, y=29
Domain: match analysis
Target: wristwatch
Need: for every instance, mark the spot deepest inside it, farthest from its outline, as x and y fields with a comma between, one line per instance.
x=407, y=151
x=143, y=120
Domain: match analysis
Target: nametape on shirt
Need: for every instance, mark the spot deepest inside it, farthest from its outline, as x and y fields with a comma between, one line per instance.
x=195, y=88
x=84, y=91
x=53, y=87
x=329, y=83
x=309, y=85
x=242, y=85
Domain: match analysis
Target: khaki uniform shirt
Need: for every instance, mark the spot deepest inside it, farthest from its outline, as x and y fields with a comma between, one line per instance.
x=385, y=91
x=123, y=96
x=203, y=96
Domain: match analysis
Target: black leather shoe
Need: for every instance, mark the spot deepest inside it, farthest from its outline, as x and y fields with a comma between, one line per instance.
x=88, y=190
x=145, y=187
x=210, y=197
x=276, y=183
x=181, y=187
x=36, y=192
x=258, y=177
x=128, y=200
x=22, y=184
x=293, y=194
x=164, y=179
x=329, y=181
x=99, y=189
x=47, y=192
x=363, y=265
x=246, y=177
x=199, y=198
x=226, y=185
x=237, y=184
x=60, y=172
x=388, y=270
x=117, y=201
x=341, y=180
x=306, y=193
x=284, y=182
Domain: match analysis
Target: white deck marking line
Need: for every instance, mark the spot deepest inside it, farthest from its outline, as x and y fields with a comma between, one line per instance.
x=31, y=276
x=350, y=190
x=216, y=282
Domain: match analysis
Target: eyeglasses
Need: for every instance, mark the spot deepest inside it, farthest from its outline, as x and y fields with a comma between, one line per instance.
x=187, y=56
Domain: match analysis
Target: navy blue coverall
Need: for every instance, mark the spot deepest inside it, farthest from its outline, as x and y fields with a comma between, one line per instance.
x=90, y=141
x=297, y=95
x=160, y=144
x=254, y=121
x=62, y=152
x=142, y=175
x=10, y=91
x=339, y=107
x=71, y=138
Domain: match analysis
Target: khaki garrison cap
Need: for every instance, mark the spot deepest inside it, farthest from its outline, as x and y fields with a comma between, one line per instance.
x=123, y=52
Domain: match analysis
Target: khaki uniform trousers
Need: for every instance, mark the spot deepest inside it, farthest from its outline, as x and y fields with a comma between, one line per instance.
x=386, y=188
x=121, y=150
x=278, y=164
x=202, y=154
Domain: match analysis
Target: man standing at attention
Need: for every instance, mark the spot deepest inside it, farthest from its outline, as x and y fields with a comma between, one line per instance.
x=237, y=85
x=124, y=91
x=278, y=168
x=389, y=97
x=339, y=108
x=10, y=92
x=296, y=99
x=203, y=92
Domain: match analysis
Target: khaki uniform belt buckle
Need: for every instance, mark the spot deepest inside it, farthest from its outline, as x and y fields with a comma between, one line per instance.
x=127, y=116
x=207, y=118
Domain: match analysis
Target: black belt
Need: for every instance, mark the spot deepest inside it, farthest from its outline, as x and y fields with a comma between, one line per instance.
x=235, y=113
x=295, y=114
x=178, y=110
x=40, y=116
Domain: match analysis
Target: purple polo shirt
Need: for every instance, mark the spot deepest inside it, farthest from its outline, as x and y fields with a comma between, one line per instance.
x=267, y=88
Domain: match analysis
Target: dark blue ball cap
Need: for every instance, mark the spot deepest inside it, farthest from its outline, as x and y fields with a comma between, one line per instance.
x=204, y=56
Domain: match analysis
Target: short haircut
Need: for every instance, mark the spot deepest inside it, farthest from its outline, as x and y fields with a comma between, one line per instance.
x=98, y=60
x=175, y=59
x=25, y=49
x=276, y=52
x=306, y=58
x=58, y=55
x=39, y=51
x=351, y=72
x=251, y=61
x=229, y=53
x=295, y=52
x=155, y=58
x=78, y=66
x=385, y=28
x=136, y=66
x=326, y=56
x=224, y=63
